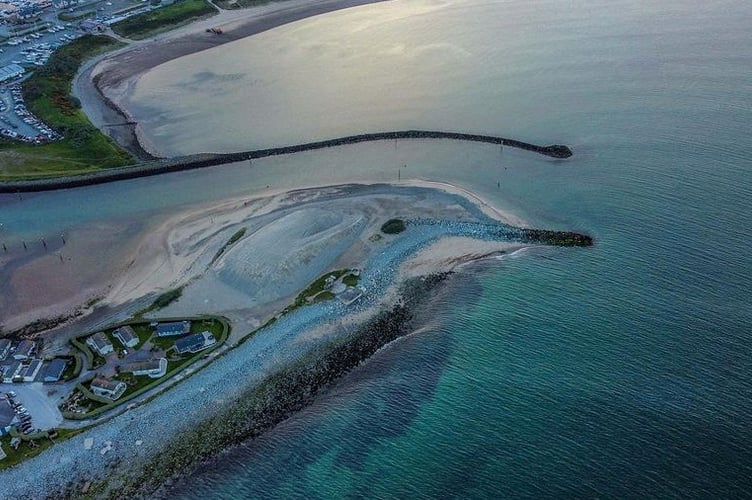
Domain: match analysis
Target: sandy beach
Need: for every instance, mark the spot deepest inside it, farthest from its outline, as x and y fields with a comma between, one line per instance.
x=101, y=81
x=120, y=266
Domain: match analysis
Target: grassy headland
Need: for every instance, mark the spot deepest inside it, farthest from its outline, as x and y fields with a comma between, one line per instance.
x=47, y=95
x=163, y=19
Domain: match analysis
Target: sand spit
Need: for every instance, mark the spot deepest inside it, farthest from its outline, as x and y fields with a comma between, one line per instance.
x=121, y=265
x=290, y=238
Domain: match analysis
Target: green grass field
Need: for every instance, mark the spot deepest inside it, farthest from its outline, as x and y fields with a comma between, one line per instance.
x=47, y=95
x=163, y=19
x=26, y=450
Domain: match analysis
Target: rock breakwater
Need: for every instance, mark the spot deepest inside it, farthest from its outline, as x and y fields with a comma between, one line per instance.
x=213, y=159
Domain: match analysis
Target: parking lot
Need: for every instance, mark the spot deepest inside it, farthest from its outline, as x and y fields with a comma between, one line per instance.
x=41, y=408
x=17, y=122
x=52, y=29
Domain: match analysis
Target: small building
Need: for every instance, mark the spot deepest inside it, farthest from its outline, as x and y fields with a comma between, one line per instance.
x=100, y=343
x=195, y=343
x=10, y=371
x=53, y=372
x=173, y=329
x=92, y=26
x=32, y=370
x=154, y=368
x=329, y=281
x=126, y=336
x=4, y=348
x=112, y=389
x=11, y=71
x=24, y=350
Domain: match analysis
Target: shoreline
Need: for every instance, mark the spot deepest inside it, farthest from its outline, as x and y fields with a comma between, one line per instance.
x=288, y=391
x=123, y=66
x=145, y=252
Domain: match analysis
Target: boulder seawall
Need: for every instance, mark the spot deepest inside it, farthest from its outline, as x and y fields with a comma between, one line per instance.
x=278, y=397
x=202, y=160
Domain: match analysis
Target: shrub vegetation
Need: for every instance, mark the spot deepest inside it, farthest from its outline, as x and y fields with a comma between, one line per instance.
x=393, y=226
x=163, y=19
x=47, y=95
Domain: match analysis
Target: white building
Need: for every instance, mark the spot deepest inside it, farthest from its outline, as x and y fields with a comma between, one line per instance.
x=10, y=71
x=100, y=343
x=154, y=368
x=112, y=389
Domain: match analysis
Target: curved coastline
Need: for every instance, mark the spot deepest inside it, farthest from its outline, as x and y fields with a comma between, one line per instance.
x=117, y=68
x=203, y=160
x=283, y=366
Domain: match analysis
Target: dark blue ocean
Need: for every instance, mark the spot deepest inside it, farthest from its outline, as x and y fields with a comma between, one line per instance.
x=623, y=370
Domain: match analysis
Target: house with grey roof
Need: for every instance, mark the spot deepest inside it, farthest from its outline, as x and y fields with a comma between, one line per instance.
x=111, y=389
x=53, y=371
x=154, y=368
x=126, y=335
x=100, y=343
x=173, y=328
x=32, y=370
x=4, y=348
x=8, y=417
x=10, y=371
x=24, y=350
x=195, y=343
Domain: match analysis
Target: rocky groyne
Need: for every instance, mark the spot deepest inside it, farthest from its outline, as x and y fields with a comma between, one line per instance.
x=213, y=159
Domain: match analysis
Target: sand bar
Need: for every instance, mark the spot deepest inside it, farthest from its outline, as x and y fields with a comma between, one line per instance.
x=317, y=222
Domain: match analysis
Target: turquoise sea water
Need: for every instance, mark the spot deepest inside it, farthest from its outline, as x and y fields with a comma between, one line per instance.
x=618, y=371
